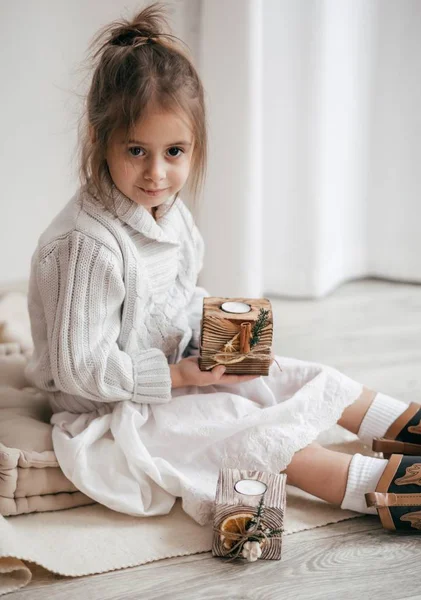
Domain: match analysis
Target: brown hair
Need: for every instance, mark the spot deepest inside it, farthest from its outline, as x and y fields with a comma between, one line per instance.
x=137, y=63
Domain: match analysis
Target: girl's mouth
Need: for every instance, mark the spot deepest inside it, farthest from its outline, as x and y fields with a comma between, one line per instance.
x=154, y=193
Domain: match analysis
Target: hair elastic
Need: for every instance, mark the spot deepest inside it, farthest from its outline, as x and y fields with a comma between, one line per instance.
x=134, y=38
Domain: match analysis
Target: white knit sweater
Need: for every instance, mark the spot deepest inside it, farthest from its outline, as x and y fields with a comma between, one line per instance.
x=113, y=300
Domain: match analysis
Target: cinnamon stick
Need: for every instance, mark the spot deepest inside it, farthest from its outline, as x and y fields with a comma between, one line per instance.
x=245, y=335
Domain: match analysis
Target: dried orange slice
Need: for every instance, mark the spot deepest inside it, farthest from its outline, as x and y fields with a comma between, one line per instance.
x=232, y=526
x=221, y=359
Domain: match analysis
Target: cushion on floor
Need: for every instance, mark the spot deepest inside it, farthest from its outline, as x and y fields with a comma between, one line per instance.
x=30, y=477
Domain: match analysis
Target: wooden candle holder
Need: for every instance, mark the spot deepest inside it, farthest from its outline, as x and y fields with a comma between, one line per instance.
x=234, y=511
x=228, y=338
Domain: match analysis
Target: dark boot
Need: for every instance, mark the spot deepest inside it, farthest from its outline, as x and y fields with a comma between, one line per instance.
x=398, y=494
x=403, y=436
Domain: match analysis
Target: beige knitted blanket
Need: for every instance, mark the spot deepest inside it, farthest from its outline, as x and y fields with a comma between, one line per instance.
x=94, y=539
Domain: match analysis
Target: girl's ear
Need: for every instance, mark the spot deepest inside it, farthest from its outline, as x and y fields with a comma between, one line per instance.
x=92, y=134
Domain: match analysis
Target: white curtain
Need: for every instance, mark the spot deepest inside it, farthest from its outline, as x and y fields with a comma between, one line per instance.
x=315, y=146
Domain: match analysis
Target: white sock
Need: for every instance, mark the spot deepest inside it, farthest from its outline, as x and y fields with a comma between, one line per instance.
x=363, y=476
x=384, y=410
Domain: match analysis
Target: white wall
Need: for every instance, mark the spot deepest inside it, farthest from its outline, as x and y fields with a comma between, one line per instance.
x=43, y=43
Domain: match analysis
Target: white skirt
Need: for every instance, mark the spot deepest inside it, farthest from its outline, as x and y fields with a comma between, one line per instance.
x=138, y=458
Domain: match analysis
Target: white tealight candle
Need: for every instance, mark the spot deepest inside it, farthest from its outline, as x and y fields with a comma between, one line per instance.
x=236, y=307
x=250, y=487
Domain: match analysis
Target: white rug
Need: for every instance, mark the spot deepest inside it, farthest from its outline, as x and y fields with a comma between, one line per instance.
x=94, y=539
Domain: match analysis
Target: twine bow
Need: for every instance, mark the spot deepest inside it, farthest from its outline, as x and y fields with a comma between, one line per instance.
x=231, y=356
x=253, y=532
x=221, y=358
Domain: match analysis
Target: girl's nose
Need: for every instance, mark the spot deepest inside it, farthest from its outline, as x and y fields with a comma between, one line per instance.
x=155, y=170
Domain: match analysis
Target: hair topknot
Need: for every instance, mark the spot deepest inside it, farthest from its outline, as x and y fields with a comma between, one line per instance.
x=148, y=26
x=137, y=63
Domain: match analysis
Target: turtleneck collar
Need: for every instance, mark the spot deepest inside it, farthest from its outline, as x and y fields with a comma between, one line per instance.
x=160, y=228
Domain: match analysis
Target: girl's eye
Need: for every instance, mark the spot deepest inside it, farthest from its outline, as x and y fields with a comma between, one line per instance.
x=175, y=151
x=136, y=150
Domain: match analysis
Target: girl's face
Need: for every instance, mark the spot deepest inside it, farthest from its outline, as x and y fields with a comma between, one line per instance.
x=154, y=163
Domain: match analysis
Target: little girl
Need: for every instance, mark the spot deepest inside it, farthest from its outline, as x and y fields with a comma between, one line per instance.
x=115, y=314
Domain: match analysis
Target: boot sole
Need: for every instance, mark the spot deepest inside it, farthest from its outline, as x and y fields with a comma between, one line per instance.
x=389, y=447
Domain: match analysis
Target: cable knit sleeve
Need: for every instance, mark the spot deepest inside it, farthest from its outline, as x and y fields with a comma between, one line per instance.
x=82, y=291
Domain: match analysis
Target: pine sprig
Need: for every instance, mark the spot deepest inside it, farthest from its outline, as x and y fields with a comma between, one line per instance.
x=272, y=532
x=255, y=519
x=258, y=535
x=259, y=512
x=259, y=325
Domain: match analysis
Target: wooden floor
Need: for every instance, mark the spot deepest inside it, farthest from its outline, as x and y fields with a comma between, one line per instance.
x=371, y=330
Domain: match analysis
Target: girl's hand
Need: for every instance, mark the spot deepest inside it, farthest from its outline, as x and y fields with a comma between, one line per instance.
x=187, y=372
